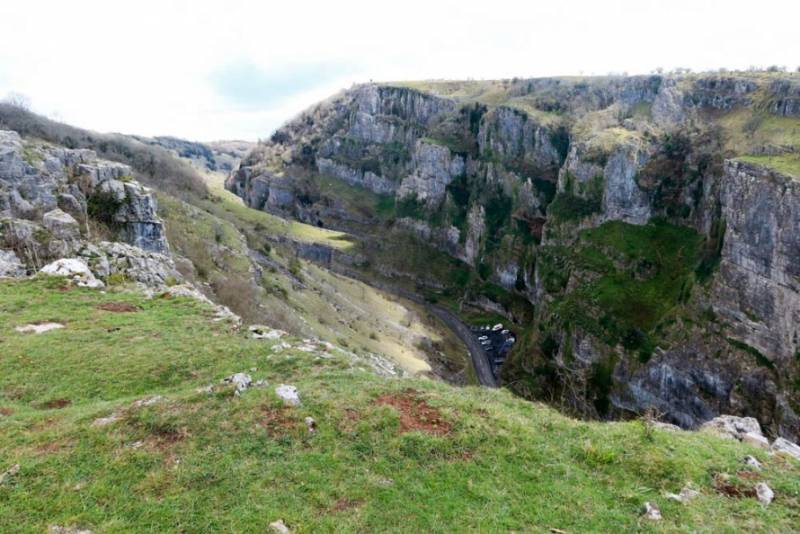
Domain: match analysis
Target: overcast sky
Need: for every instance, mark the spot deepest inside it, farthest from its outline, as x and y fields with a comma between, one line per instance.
x=229, y=70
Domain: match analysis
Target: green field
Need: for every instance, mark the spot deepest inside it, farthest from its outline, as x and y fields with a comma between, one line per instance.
x=403, y=455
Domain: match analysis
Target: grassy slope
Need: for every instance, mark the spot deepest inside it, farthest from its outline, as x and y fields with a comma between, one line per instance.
x=312, y=301
x=218, y=463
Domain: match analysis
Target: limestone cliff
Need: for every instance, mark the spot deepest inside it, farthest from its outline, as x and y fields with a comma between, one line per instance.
x=662, y=269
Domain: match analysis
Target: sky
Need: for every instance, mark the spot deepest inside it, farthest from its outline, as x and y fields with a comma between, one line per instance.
x=208, y=70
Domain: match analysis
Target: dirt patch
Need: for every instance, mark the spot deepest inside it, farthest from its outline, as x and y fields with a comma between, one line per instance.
x=5, y=412
x=350, y=420
x=416, y=414
x=56, y=404
x=730, y=489
x=278, y=422
x=118, y=307
x=345, y=504
x=748, y=475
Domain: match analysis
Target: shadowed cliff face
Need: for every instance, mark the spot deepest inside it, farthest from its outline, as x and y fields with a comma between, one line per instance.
x=663, y=270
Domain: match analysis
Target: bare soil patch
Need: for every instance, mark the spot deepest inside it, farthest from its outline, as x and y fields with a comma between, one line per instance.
x=416, y=414
x=118, y=307
x=56, y=404
x=279, y=421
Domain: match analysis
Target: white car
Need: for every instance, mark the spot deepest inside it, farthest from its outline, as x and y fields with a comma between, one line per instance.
x=497, y=327
x=483, y=338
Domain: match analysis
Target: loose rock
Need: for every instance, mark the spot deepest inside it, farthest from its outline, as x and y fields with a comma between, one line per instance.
x=651, y=512
x=12, y=471
x=686, y=495
x=280, y=527
x=57, y=529
x=242, y=381
x=764, y=493
x=40, y=328
x=311, y=424
x=288, y=394
x=752, y=462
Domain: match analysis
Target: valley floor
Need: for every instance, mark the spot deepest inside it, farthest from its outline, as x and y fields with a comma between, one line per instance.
x=399, y=455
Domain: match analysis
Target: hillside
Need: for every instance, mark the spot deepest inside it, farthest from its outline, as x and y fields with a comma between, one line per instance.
x=639, y=232
x=119, y=422
x=636, y=237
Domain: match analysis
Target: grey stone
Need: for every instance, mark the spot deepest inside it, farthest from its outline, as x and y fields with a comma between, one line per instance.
x=764, y=493
x=61, y=225
x=10, y=265
x=288, y=394
x=784, y=446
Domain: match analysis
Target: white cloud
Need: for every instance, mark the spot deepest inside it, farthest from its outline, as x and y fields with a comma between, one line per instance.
x=155, y=67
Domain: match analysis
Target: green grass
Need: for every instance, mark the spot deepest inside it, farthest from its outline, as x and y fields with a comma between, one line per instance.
x=198, y=463
x=785, y=163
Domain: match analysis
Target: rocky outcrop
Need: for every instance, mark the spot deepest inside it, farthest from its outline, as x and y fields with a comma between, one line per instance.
x=434, y=168
x=758, y=287
x=514, y=136
x=47, y=195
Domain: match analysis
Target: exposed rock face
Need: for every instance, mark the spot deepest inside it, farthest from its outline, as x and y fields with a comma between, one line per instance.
x=47, y=194
x=434, y=168
x=151, y=269
x=758, y=287
x=513, y=135
x=623, y=200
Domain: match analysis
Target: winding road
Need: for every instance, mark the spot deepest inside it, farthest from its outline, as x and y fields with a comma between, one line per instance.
x=480, y=359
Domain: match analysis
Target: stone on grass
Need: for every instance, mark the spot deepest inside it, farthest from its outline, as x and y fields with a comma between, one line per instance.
x=731, y=426
x=288, y=394
x=258, y=331
x=686, y=495
x=74, y=269
x=784, y=446
x=12, y=471
x=280, y=527
x=105, y=421
x=764, y=493
x=311, y=424
x=58, y=529
x=242, y=381
x=756, y=440
x=651, y=512
x=39, y=328
x=148, y=401
x=752, y=462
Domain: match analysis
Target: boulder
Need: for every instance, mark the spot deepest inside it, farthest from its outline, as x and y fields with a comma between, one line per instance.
x=10, y=266
x=730, y=426
x=784, y=446
x=61, y=225
x=75, y=269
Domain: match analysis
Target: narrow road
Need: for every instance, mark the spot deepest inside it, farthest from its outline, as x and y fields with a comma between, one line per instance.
x=480, y=360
